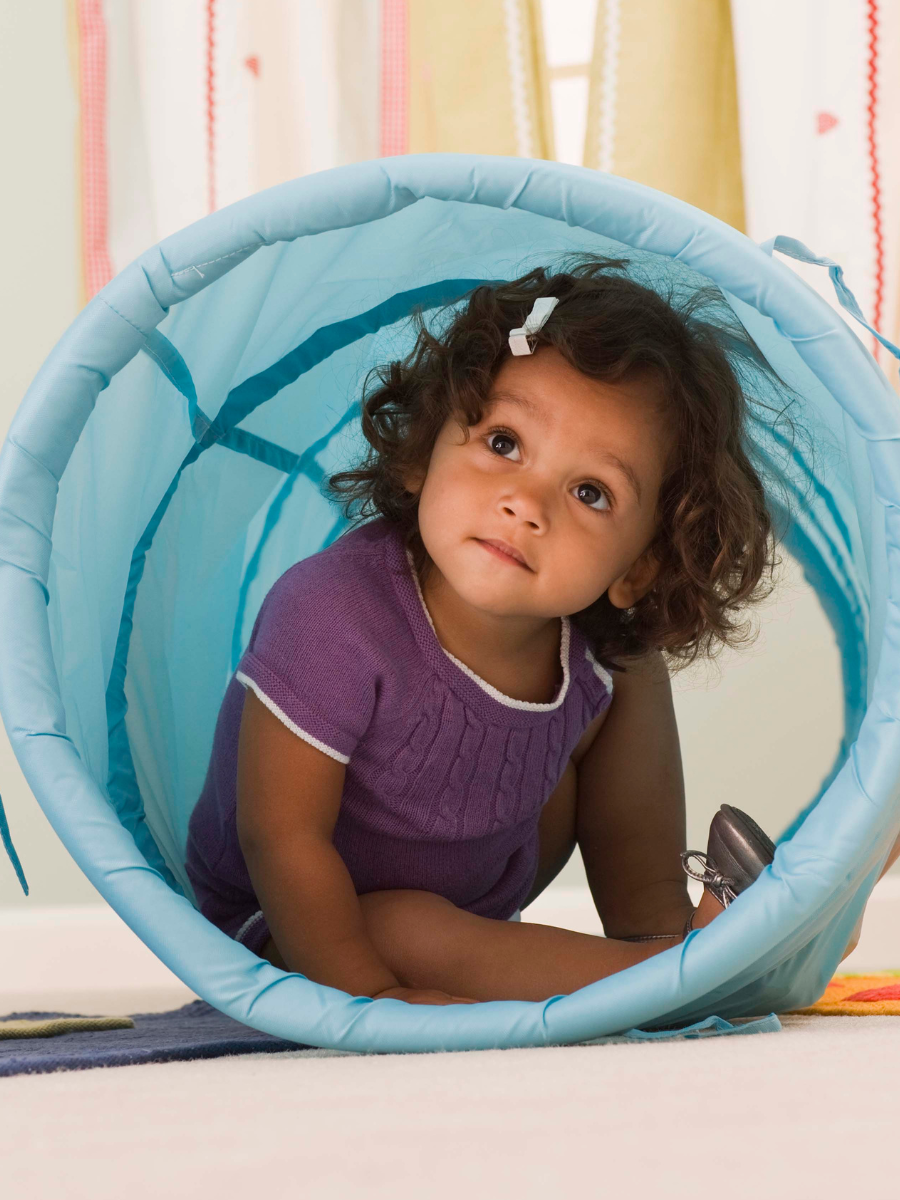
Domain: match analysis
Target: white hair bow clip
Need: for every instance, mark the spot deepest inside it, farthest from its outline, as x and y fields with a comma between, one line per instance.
x=534, y=323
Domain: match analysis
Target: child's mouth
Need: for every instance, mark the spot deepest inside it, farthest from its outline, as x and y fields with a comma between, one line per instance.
x=498, y=552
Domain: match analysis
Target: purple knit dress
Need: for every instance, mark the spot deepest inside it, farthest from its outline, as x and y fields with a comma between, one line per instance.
x=446, y=776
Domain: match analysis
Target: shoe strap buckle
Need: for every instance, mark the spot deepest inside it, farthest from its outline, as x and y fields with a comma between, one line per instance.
x=721, y=886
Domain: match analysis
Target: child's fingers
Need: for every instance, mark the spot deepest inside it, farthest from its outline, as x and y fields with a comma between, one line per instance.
x=422, y=996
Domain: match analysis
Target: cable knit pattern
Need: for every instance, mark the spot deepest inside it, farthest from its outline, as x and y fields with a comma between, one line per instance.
x=445, y=776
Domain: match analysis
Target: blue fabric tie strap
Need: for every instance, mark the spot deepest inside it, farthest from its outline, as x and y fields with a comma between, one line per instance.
x=796, y=249
x=711, y=1027
x=10, y=848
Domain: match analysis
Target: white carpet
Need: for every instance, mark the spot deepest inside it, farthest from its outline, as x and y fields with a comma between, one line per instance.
x=807, y=1113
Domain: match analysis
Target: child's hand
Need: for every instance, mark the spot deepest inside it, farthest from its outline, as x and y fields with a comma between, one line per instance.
x=420, y=996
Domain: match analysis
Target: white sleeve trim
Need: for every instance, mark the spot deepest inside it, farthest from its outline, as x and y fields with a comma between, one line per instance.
x=600, y=671
x=247, y=926
x=246, y=681
x=501, y=697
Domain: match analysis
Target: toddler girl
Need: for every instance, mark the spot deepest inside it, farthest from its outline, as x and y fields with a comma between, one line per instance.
x=474, y=678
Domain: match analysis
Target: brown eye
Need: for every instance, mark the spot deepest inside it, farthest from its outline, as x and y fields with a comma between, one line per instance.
x=504, y=444
x=501, y=443
x=592, y=495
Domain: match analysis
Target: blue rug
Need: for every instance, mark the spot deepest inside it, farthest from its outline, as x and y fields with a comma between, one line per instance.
x=200, y=1031
x=196, y=1031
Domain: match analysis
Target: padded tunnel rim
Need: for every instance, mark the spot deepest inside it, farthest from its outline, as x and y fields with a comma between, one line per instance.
x=770, y=920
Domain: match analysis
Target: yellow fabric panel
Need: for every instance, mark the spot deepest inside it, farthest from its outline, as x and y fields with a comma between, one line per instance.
x=477, y=83
x=663, y=107
x=543, y=100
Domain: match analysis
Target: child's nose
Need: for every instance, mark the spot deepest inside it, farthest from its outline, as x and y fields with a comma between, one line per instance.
x=528, y=505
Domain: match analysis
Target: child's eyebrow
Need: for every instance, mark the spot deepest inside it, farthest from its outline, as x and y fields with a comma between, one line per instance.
x=606, y=456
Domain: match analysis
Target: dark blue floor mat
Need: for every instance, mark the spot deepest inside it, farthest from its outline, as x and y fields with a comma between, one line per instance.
x=195, y=1031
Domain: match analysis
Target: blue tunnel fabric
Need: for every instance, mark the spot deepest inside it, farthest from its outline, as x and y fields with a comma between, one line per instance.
x=240, y=403
x=148, y=502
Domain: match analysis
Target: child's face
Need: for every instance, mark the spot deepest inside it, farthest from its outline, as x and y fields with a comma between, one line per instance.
x=537, y=474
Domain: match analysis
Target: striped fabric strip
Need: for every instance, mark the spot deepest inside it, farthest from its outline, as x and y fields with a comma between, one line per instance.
x=394, y=77
x=96, y=267
x=211, y=105
x=872, y=66
x=609, y=87
x=518, y=77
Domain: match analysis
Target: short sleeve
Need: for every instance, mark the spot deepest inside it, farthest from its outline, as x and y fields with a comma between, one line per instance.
x=310, y=659
x=602, y=681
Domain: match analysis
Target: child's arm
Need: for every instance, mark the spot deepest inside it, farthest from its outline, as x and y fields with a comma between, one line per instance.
x=289, y=794
x=631, y=808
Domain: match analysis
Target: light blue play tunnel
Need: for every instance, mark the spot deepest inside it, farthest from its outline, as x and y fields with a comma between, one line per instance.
x=149, y=500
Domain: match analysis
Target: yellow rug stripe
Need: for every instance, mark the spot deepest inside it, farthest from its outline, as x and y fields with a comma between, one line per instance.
x=52, y=1026
x=875, y=995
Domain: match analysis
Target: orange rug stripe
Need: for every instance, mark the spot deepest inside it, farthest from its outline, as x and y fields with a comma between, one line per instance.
x=875, y=995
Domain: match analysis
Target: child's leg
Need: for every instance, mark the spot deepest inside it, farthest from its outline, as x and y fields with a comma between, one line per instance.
x=569, y=818
x=428, y=942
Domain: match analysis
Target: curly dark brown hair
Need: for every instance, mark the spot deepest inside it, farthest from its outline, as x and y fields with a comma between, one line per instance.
x=715, y=538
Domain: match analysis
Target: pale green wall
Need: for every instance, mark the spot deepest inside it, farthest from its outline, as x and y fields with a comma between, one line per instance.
x=38, y=300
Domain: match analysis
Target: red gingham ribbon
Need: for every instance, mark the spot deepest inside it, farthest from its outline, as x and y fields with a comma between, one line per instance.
x=394, y=77
x=94, y=169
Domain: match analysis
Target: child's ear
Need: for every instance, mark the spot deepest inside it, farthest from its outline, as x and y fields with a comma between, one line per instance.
x=637, y=581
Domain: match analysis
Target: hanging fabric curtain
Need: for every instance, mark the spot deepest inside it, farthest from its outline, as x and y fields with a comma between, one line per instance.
x=477, y=78
x=662, y=104
x=817, y=141
x=189, y=105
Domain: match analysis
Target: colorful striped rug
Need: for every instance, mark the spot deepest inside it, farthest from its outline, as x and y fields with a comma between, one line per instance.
x=875, y=995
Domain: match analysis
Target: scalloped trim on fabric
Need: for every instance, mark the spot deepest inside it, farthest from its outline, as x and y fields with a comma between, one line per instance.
x=600, y=671
x=246, y=681
x=495, y=693
x=248, y=925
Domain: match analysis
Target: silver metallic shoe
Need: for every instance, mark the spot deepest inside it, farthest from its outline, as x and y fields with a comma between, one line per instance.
x=737, y=853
